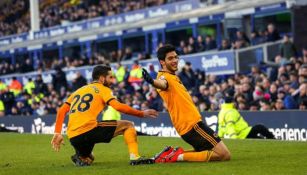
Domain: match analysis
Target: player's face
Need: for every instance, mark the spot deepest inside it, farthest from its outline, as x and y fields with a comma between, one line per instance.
x=171, y=62
x=108, y=80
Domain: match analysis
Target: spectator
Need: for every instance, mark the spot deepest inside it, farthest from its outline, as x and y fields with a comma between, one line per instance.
x=128, y=54
x=210, y=43
x=200, y=45
x=135, y=76
x=2, y=108
x=303, y=71
x=279, y=105
x=152, y=71
x=155, y=101
x=294, y=80
x=40, y=87
x=180, y=49
x=120, y=73
x=42, y=109
x=287, y=48
x=59, y=79
x=273, y=34
x=302, y=95
x=23, y=109
x=265, y=105
x=187, y=76
x=247, y=92
x=3, y=86
x=78, y=82
x=273, y=91
x=238, y=44
x=192, y=45
x=242, y=36
x=225, y=45
x=27, y=66
x=15, y=86
x=255, y=39
x=29, y=87
x=304, y=54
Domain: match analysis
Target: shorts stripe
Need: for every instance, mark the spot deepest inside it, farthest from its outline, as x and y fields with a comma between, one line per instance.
x=107, y=125
x=205, y=135
x=199, y=131
x=211, y=138
x=213, y=141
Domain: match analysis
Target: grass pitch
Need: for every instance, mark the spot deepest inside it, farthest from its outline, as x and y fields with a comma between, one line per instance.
x=32, y=154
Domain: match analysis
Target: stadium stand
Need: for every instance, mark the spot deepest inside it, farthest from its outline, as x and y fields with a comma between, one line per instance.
x=63, y=12
x=274, y=80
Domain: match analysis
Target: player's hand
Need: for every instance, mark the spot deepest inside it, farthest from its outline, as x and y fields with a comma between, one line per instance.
x=150, y=113
x=146, y=76
x=56, y=141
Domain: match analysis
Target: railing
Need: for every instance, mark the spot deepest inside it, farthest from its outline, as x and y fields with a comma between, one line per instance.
x=249, y=56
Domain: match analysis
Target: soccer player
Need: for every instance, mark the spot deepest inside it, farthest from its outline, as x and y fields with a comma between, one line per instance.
x=84, y=105
x=184, y=115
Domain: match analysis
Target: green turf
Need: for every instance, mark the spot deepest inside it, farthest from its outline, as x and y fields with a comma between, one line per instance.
x=32, y=154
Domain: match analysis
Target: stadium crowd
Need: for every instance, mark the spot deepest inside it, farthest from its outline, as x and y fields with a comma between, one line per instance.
x=15, y=17
x=277, y=86
x=192, y=45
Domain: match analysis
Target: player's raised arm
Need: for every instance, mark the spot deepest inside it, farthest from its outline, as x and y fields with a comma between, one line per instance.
x=160, y=84
x=131, y=111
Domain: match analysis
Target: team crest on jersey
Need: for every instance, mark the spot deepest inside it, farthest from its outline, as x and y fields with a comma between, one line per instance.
x=95, y=89
x=162, y=77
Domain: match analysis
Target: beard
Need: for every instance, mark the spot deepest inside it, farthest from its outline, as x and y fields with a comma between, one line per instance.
x=171, y=68
x=106, y=84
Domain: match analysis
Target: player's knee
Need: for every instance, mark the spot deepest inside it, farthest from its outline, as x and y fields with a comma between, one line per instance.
x=128, y=124
x=225, y=156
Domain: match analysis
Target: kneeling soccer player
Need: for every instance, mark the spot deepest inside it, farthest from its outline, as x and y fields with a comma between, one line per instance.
x=84, y=105
x=184, y=115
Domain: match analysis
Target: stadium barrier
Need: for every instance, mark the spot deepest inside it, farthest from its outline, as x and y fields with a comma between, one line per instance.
x=246, y=57
x=286, y=125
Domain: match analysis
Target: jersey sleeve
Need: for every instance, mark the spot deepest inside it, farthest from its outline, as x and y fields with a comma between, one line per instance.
x=63, y=110
x=69, y=99
x=107, y=95
x=163, y=77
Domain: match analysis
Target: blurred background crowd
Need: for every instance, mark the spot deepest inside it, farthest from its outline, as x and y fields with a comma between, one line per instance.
x=279, y=85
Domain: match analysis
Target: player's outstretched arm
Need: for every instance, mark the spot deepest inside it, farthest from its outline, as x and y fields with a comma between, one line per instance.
x=160, y=84
x=151, y=113
x=131, y=111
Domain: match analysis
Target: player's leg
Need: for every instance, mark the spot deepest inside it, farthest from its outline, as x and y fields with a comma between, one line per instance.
x=83, y=148
x=126, y=128
x=220, y=152
x=260, y=130
x=208, y=146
